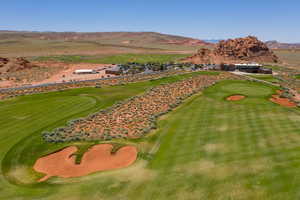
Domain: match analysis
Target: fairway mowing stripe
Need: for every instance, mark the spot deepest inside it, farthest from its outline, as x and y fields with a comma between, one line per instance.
x=41, y=122
x=38, y=115
x=38, y=119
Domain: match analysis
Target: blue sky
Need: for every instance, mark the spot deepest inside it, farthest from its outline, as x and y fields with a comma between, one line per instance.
x=203, y=19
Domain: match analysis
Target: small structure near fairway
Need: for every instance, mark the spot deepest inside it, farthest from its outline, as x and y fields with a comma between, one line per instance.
x=85, y=71
x=252, y=68
x=116, y=70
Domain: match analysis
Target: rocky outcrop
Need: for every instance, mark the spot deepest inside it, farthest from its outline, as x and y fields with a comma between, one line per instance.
x=13, y=65
x=3, y=61
x=248, y=49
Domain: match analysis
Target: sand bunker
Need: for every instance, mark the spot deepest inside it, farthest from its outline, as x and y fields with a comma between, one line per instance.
x=235, y=98
x=97, y=158
x=282, y=101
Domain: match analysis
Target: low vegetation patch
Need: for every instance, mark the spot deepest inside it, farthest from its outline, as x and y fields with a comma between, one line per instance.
x=116, y=59
x=273, y=67
x=135, y=117
x=269, y=78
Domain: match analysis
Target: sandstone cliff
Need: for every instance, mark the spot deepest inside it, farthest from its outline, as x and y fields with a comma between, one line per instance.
x=248, y=49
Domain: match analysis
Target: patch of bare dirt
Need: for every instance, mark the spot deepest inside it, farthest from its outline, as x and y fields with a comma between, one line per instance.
x=51, y=72
x=235, y=98
x=19, y=71
x=97, y=158
x=6, y=84
x=66, y=74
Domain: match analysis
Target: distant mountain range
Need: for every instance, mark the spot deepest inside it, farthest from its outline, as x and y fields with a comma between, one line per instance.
x=124, y=38
x=31, y=43
x=25, y=43
x=278, y=45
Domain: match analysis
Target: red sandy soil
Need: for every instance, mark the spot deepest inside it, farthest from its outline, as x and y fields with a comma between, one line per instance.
x=282, y=101
x=66, y=74
x=6, y=84
x=97, y=158
x=235, y=98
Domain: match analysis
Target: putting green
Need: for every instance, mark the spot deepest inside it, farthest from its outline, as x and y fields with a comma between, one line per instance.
x=208, y=148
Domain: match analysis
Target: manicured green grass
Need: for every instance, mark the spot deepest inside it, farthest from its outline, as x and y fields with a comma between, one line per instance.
x=142, y=58
x=24, y=118
x=68, y=58
x=273, y=67
x=208, y=148
x=269, y=78
x=115, y=59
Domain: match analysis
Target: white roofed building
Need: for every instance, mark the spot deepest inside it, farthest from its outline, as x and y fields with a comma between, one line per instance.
x=85, y=71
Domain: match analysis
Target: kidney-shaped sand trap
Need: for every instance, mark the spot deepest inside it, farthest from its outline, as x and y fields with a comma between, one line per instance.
x=235, y=98
x=97, y=158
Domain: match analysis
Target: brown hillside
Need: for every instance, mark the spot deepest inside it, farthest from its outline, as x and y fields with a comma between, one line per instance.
x=248, y=49
x=28, y=44
x=104, y=37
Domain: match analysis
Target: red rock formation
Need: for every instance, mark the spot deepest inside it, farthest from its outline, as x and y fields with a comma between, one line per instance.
x=13, y=65
x=248, y=49
x=3, y=61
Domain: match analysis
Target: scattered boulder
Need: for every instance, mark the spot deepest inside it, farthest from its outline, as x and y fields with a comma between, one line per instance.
x=14, y=64
x=248, y=49
x=3, y=61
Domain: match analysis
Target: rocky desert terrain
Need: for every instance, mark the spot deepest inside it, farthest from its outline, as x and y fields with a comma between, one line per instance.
x=248, y=49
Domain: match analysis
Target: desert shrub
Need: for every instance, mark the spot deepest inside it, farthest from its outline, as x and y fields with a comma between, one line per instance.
x=143, y=111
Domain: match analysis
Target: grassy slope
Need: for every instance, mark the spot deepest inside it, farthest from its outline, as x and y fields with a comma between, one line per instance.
x=269, y=78
x=231, y=150
x=273, y=67
x=120, y=59
x=209, y=149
